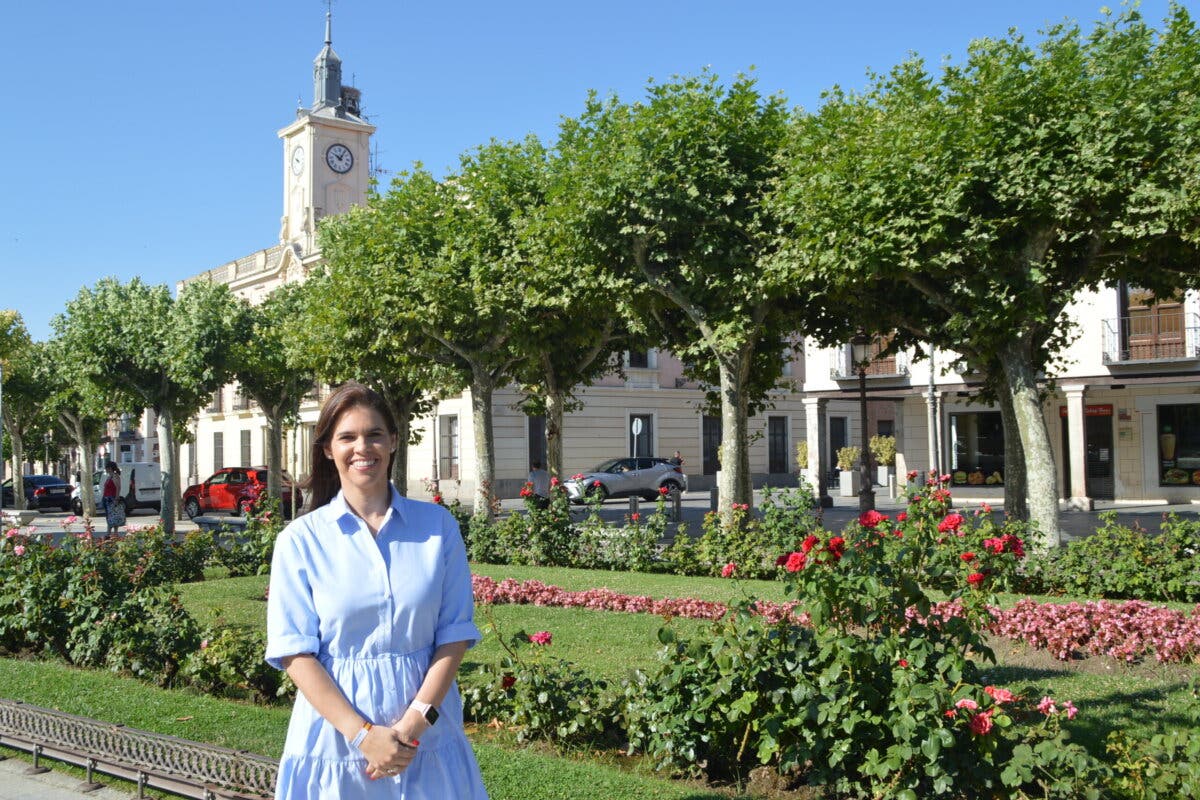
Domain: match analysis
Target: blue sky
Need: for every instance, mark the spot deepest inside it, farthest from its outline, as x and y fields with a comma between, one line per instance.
x=140, y=138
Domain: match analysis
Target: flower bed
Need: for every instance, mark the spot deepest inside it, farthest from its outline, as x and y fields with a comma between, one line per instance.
x=1128, y=630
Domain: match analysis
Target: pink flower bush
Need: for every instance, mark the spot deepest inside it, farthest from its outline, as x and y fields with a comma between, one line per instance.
x=19, y=549
x=999, y=696
x=728, y=569
x=541, y=637
x=967, y=703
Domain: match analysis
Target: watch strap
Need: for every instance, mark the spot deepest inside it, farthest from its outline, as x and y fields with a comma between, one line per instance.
x=362, y=734
x=426, y=710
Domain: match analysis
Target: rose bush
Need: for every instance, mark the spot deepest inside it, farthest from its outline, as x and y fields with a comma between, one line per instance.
x=1120, y=562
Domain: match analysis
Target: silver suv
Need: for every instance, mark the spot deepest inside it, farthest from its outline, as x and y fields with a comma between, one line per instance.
x=627, y=477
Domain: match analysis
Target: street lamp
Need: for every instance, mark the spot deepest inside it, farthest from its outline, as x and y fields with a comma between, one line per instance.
x=860, y=346
x=46, y=459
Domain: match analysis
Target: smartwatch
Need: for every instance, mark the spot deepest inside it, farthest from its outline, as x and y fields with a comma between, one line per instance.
x=427, y=711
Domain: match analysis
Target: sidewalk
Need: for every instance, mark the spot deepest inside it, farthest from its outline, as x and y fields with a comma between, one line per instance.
x=15, y=784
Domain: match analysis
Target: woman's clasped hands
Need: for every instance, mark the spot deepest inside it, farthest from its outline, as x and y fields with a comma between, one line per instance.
x=388, y=753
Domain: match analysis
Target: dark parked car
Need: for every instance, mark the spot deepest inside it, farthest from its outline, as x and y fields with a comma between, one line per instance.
x=235, y=490
x=626, y=477
x=42, y=492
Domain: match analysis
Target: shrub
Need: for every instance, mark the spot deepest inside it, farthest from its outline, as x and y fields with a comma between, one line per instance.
x=229, y=663
x=802, y=454
x=151, y=634
x=1166, y=766
x=877, y=698
x=1120, y=562
x=249, y=552
x=149, y=557
x=542, y=697
x=847, y=457
x=883, y=450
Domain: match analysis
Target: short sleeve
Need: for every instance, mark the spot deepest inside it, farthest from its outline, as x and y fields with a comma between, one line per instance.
x=456, y=617
x=293, y=627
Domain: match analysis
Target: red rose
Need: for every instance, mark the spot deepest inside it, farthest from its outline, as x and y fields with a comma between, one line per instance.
x=507, y=682
x=975, y=579
x=837, y=547
x=795, y=562
x=809, y=544
x=981, y=724
x=967, y=556
x=728, y=569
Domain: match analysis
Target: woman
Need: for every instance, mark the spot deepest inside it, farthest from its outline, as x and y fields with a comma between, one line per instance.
x=113, y=519
x=370, y=613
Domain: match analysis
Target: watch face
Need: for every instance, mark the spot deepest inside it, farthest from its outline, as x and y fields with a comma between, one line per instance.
x=339, y=158
x=297, y=160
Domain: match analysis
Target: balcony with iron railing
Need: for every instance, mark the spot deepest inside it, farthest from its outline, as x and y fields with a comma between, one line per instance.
x=1148, y=338
x=894, y=365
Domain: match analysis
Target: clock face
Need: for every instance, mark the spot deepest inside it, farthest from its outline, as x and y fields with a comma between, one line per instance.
x=339, y=158
x=297, y=160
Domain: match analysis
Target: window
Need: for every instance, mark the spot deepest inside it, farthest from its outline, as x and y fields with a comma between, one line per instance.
x=777, y=445
x=885, y=427
x=245, y=448
x=214, y=407
x=978, y=446
x=242, y=400
x=448, y=461
x=641, y=435
x=537, y=440
x=1153, y=326
x=639, y=359
x=1179, y=445
x=710, y=441
x=218, y=450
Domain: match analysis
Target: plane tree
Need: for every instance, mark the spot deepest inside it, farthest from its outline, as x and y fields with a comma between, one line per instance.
x=669, y=190
x=971, y=206
x=170, y=354
x=347, y=333
x=270, y=370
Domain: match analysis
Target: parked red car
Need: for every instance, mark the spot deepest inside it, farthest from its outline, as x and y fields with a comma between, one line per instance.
x=235, y=490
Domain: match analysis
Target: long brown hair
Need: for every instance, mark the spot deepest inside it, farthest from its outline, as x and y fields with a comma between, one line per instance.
x=323, y=483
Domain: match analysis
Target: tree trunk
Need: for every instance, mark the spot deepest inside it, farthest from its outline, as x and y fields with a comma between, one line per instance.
x=554, y=426
x=18, y=456
x=87, y=460
x=403, y=401
x=170, y=475
x=274, y=451
x=1035, y=441
x=1016, y=488
x=482, y=387
x=176, y=487
x=734, y=483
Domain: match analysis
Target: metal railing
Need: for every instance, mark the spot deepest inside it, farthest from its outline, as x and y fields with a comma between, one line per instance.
x=1167, y=337
x=150, y=760
x=843, y=367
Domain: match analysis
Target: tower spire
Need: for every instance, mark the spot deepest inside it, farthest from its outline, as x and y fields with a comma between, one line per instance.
x=327, y=72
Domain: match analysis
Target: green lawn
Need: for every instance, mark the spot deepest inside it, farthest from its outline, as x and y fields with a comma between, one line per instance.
x=1110, y=695
x=521, y=774
x=1141, y=699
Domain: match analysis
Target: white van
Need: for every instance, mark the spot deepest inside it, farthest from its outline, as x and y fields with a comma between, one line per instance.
x=141, y=487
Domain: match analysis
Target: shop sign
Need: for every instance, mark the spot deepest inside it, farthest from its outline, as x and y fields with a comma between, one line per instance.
x=1099, y=410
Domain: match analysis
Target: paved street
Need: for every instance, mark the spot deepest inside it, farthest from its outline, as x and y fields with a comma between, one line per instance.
x=16, y=784
x=695, y=505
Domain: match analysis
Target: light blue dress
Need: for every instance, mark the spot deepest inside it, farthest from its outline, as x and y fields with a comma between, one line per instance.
x=373, y=610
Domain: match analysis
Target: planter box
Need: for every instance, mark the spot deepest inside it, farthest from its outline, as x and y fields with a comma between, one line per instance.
x=18, y=518
x=884, y=474
x=849, y=482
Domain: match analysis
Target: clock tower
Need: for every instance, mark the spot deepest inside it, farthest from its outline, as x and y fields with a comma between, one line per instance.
x=325, y=155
